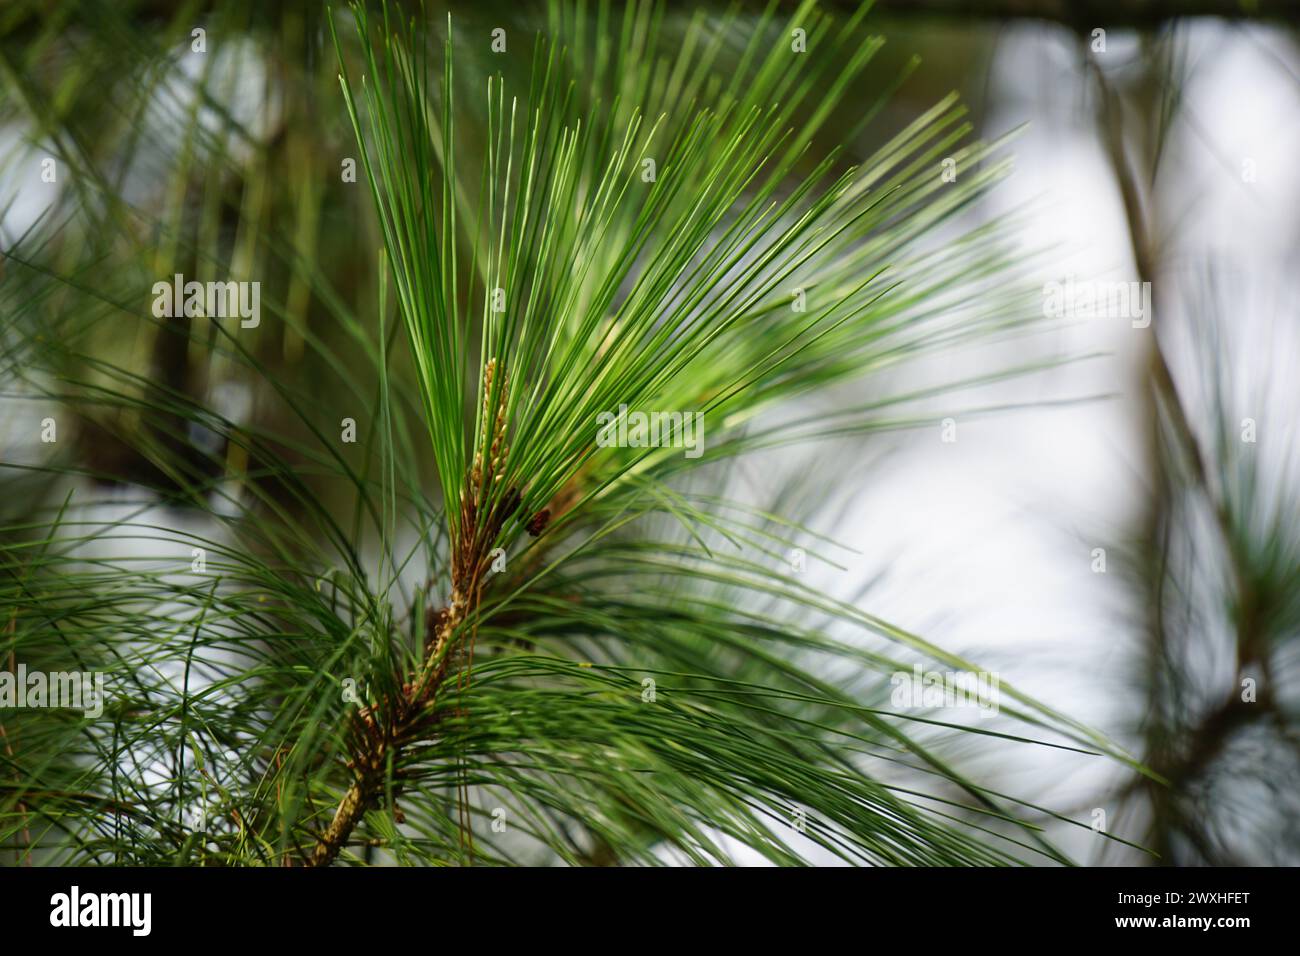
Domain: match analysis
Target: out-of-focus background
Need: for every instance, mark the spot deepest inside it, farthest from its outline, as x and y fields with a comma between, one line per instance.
x=1123, y=540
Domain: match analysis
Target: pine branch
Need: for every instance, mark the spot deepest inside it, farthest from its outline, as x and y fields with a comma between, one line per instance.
x=380, y=731
x=599, y=279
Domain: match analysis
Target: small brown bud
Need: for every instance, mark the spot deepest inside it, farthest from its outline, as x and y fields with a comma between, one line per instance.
x=537, y=524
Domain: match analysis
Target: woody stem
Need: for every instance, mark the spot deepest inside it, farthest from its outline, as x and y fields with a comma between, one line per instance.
x=369, y=762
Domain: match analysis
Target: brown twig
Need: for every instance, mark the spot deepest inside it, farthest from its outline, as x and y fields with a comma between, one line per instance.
x=381, y=730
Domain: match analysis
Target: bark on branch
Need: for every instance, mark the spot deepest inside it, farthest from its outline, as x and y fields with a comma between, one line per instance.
x=381, y=731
